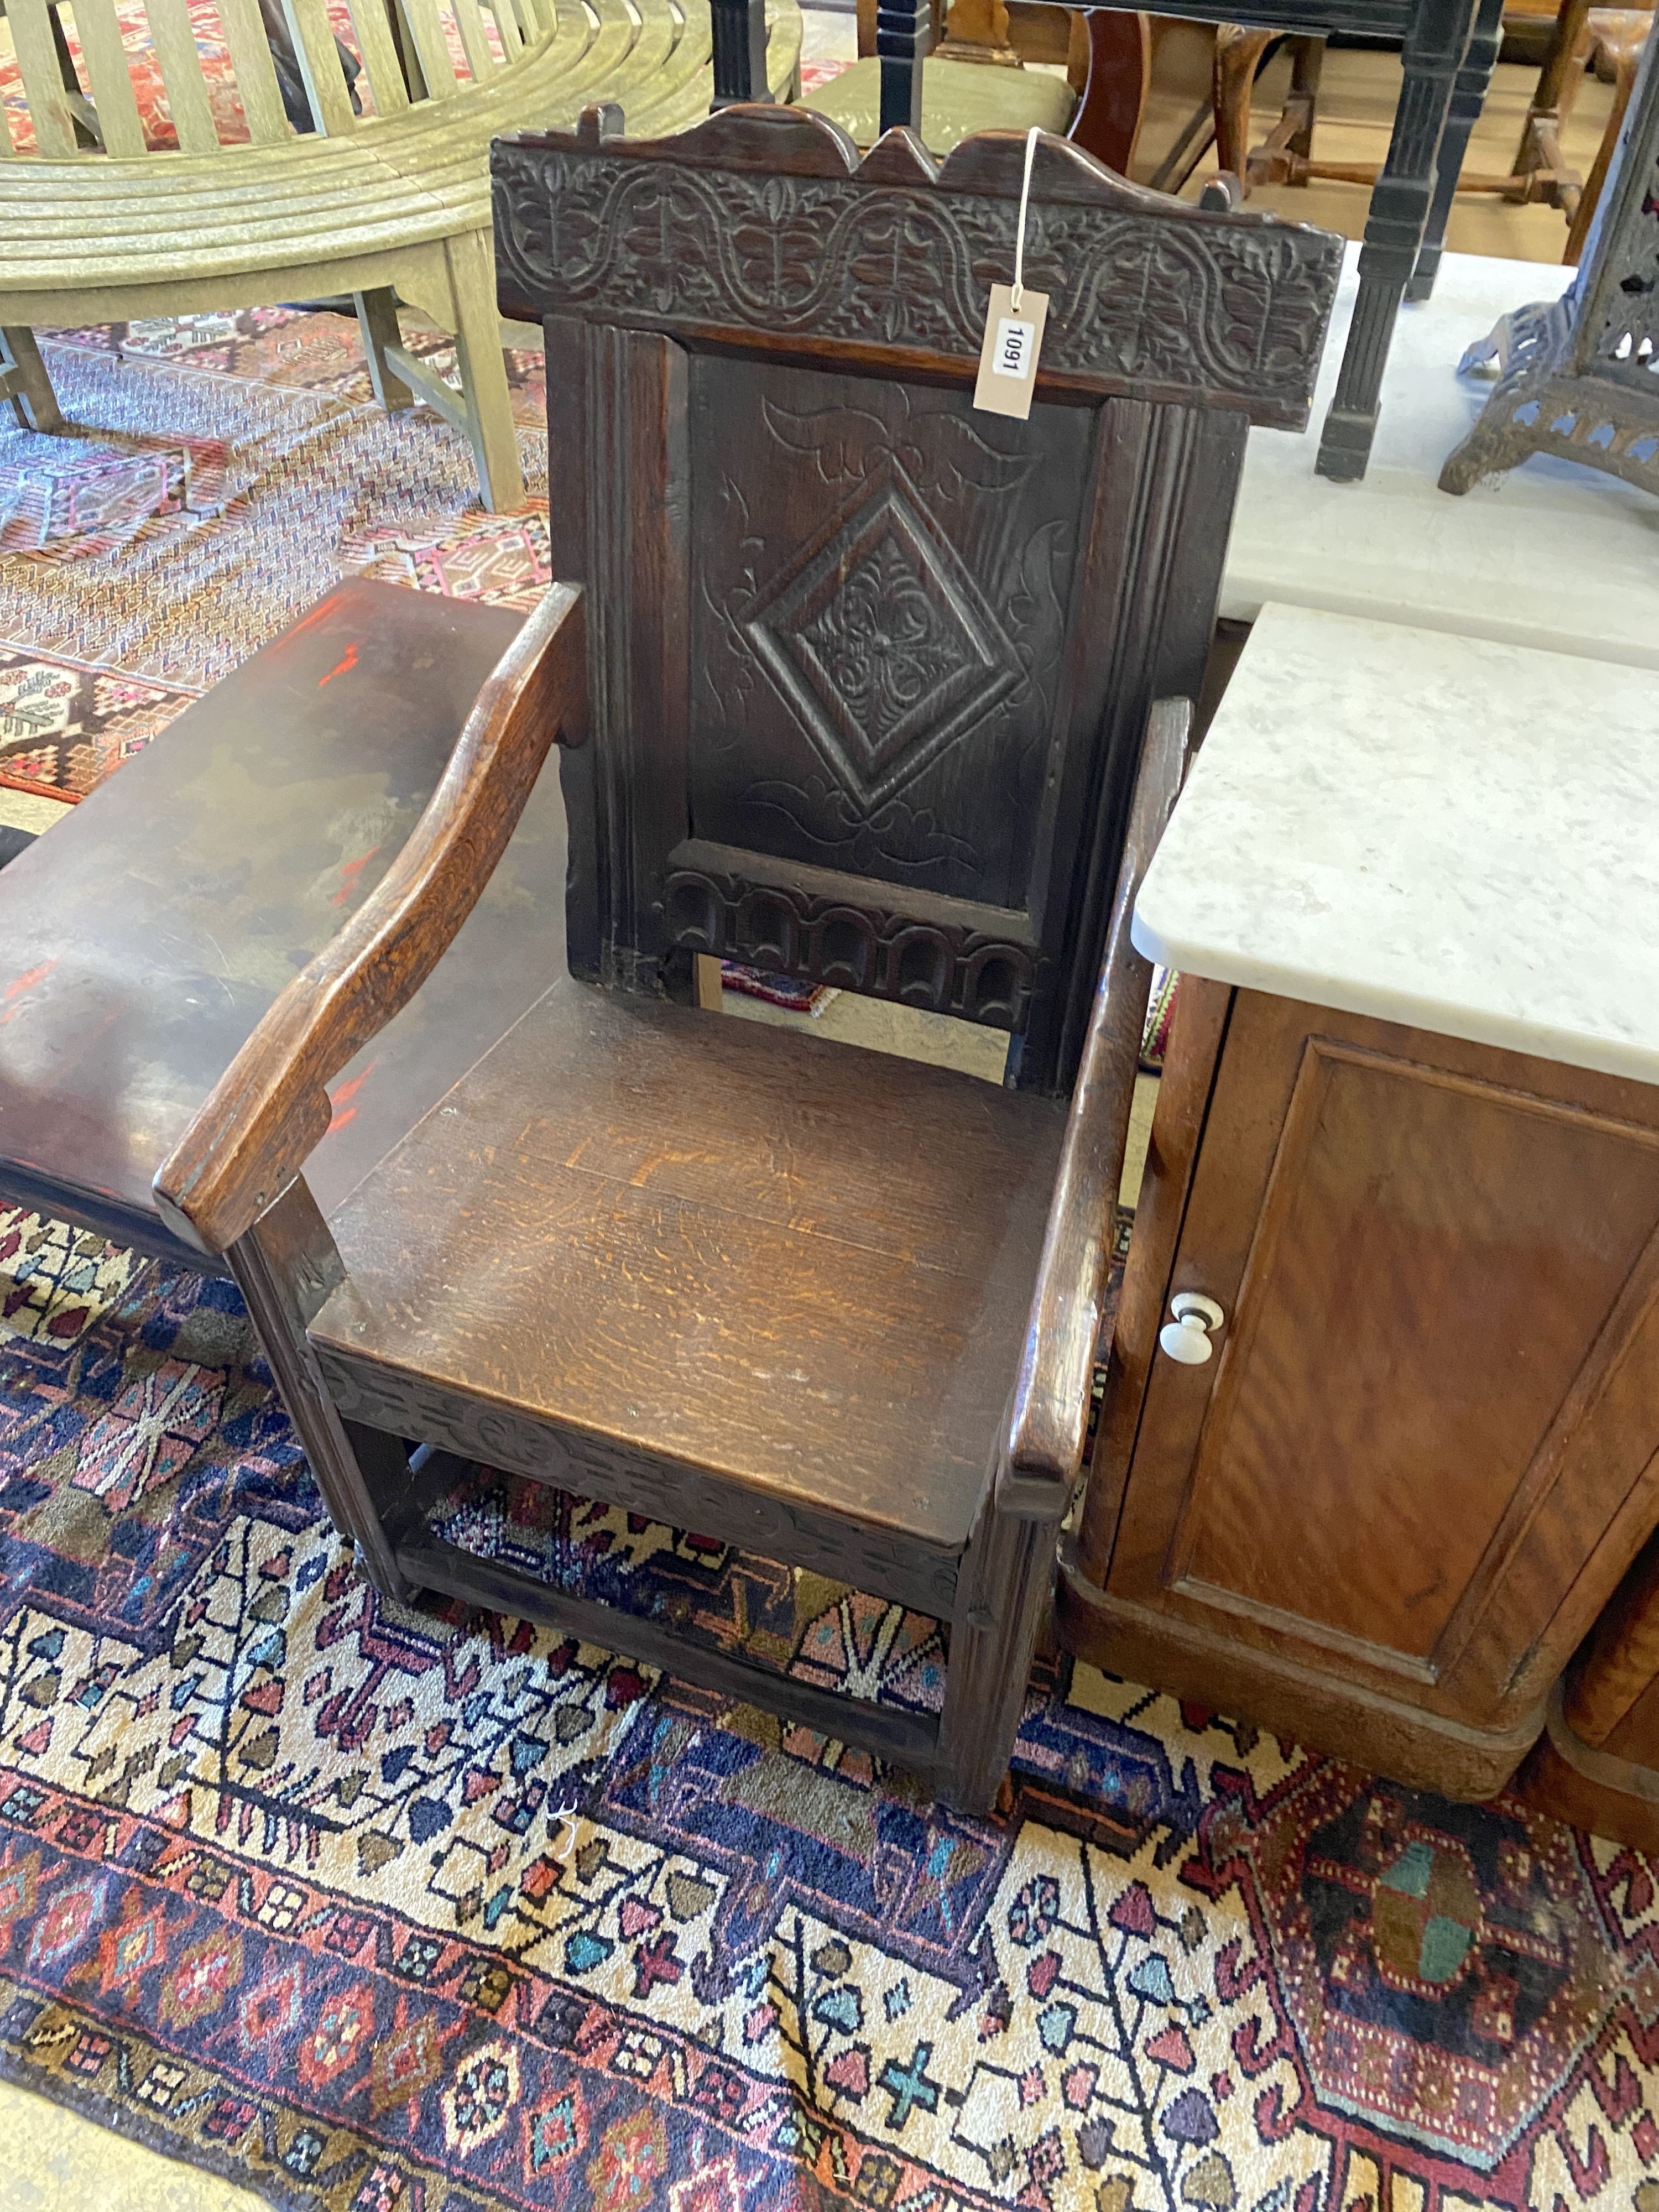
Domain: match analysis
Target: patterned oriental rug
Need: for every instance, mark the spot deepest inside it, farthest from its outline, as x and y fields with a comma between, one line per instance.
x=378, y=1910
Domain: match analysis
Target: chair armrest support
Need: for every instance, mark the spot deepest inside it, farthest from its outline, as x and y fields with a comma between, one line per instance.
x=252, y=1135
x=1049, y=1417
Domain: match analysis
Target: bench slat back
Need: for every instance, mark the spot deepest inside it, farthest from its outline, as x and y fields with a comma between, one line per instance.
x=379, y=55
x=319, y=65
x=255, y=72
x=420, y=32
x=480, y=59
x=427, y=30
x=99, y=31
x=43, y=87
x=507, y=25
x=188, y=103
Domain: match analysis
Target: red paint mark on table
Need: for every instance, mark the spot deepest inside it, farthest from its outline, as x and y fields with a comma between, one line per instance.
x=342, y=666
x=320, y=612
x=341, y=1099
x=351, y=871
x=25, y=981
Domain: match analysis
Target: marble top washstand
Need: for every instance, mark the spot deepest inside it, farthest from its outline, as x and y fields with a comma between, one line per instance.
x=1452, y=833
x=1550, y=554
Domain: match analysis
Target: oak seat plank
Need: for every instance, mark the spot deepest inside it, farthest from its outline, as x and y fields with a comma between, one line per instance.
x=820, y=1257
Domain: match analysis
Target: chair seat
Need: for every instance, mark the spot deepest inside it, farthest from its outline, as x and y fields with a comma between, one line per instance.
x=958, y=100
x=147, y=933
x=800, y=1267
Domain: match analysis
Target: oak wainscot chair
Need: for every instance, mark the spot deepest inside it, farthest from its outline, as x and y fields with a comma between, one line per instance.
x=866, y=681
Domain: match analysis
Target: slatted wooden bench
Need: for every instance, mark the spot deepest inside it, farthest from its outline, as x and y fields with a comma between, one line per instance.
x=389, y=205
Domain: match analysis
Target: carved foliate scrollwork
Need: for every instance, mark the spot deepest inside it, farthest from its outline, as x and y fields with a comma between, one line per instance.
x=1142, y=291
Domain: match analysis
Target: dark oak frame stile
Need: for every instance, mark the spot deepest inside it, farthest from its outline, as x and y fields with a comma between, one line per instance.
x=1223, y=327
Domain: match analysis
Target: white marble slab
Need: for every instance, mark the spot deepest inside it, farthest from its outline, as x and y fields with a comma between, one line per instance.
x=1445, y=831
x=1550, y=554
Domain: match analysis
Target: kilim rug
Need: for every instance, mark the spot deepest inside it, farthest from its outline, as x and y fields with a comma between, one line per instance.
x=389, y=1910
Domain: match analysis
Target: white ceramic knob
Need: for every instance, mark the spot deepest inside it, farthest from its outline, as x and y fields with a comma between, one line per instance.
x=1187, y=1338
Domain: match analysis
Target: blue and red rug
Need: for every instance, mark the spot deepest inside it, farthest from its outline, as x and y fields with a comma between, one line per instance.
x=375, y=1908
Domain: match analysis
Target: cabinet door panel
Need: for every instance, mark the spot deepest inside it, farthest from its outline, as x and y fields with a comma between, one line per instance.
x=1438, y=1285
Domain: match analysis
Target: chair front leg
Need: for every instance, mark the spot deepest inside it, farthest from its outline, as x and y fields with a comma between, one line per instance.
x=285, y=1266
x=1238, y=52
x=1002, y=1599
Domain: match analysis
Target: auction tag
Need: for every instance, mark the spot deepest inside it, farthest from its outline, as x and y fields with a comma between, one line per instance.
x=1008, y=358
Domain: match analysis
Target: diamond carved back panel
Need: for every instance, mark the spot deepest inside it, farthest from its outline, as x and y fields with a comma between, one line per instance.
x=879, y=587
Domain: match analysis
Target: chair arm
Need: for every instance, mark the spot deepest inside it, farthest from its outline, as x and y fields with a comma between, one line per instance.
x=1049, y=1418
x=249, y=1137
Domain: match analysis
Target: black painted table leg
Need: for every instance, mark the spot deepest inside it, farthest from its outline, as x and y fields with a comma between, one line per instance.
x=903, y=34
x=1435, y=46
x=1468, y=98
x=739, y=29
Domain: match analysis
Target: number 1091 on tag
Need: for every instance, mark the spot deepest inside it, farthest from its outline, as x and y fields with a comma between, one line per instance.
x=1014, y=349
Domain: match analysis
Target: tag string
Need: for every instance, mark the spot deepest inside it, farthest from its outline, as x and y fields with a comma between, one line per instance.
x=1031, y=137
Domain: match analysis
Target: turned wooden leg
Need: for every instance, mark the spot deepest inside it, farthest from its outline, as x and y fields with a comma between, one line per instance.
x=24, y=381
x=1468, y=98
x=1590, y=199
x=1307, y=66
x=1558, y=83
x=1238, y=54
x=1435, y=48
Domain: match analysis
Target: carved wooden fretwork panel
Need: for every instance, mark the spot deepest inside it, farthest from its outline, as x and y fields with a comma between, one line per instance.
x=944, y=966
x=879, y=591
x=1143, y=292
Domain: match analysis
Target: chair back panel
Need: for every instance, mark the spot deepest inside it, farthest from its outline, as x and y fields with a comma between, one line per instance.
x=871, y=669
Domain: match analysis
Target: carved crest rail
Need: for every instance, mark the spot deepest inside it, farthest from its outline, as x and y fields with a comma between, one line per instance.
x=818, y=251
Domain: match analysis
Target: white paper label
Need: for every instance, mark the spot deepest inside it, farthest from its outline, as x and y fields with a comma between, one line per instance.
x=1008, y=356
